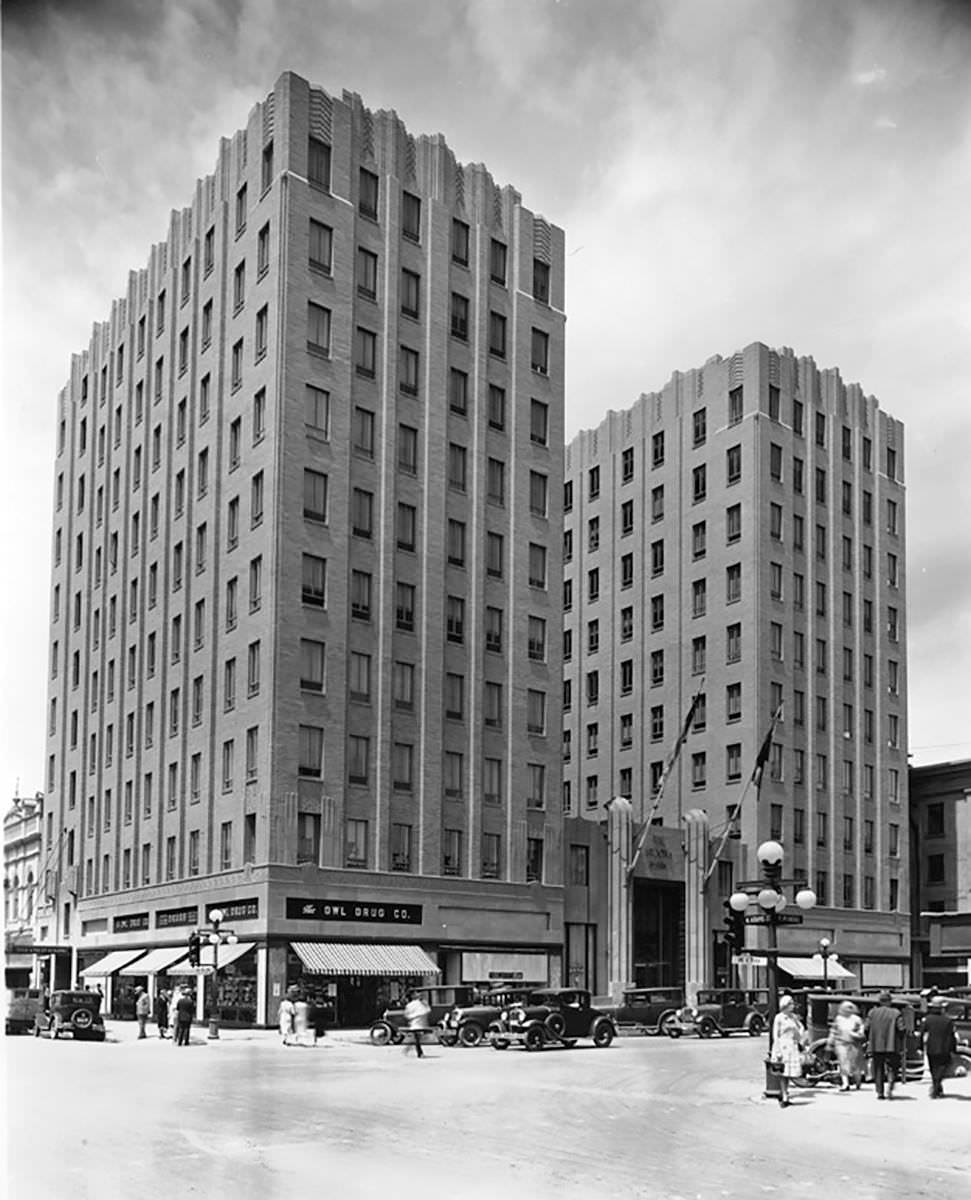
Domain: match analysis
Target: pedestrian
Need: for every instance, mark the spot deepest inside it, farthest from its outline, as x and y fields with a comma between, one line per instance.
x=287, y=1016
x=302, y=1028
x=789, y=1039
x=940, y=1042
x=846, y=1039
x=417, y=1013
x=162, y=1013
x=143, y=1008
x=184, y=1012
x=884, y=1030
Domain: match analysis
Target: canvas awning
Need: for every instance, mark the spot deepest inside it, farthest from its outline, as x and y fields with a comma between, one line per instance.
x=812, y=968
x=227, y=955
x=113, y=961
x=347, y=958
x=155, y=961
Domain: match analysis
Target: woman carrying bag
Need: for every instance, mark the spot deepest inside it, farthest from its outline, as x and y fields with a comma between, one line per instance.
x=789, y=1039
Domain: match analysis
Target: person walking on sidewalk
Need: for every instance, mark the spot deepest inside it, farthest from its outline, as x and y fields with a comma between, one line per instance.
x=287, y=1016
x=789, y=1039
x=884, y=1030
x=162, y=1013
x=417, y=1013
x=143, y=1009
x=184, y=1012
x=940, y=1042
x=846, y=1039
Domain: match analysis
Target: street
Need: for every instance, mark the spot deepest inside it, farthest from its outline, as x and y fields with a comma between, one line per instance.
x=245, y=1117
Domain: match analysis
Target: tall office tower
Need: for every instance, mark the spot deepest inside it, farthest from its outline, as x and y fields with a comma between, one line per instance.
x=741, y=532
x=305, y=588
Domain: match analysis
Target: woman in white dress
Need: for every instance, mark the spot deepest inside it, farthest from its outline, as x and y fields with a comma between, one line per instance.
x=788, y=1042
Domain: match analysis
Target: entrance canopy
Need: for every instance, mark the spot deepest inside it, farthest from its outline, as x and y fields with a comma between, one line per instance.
x=155, y=961
x=812, y=968
x=228, y=953
x=112, y=962
x=346, y=958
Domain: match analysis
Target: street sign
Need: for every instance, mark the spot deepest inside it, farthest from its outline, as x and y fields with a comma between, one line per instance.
x=777, y=919
x=749, y=960
x=183, y=969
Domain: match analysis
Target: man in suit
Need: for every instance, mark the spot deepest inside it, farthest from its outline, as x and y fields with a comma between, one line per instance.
x=184, y=1011
x=884, y=1030
x=940, y=1042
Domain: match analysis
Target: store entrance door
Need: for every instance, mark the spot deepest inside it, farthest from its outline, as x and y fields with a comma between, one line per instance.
x=361, y=999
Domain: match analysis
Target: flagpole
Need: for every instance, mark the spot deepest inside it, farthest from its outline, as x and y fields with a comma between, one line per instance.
x=659, y=794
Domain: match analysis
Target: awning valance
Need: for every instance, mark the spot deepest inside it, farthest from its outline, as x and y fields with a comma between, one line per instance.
x=812, y=968
x=113, y=961
x=155, y=961
x=346, y=958
x=227, y=955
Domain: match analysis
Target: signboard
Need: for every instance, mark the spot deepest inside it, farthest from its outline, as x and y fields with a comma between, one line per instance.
x=185, y=969
x=777, y=919
x=524, y=967
x=749, y=960
x=129, y=922
x=236, y=910
x=356, y=910
x=177, y=916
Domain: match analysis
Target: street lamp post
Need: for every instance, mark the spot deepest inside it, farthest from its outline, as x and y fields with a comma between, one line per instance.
x=216, y=939
x=769, y=895
x=825, y=952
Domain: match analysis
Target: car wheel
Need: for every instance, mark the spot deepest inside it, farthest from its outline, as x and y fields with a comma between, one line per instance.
x=669, y=1025
x=555, y=1025
x=603, y=1034
x=500, y=1044
x=381, y=1034
x=470, y=1034
x=706, y=1027
x=756, y=1027
x=534, y=1039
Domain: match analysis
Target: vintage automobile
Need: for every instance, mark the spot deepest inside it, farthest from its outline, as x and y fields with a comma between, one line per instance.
x=391, y=1025
x=552, y=1016
x=723, y=1011
x=958, y=1008
x=466, y=1025
x=77, y=1013
x=649, y=1010
x=23, y=1005
x=818, y=1008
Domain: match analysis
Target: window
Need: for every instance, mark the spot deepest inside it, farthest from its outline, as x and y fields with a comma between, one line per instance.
x=733, y=523
x=253, y=669
x=460, y=242
x=657, y=667
x=538, y=423
x=657, y=502
x=497, y=408
x=455, y=539
x=733, y=702
x=314, y=580
x=535, y=712
x=318, y=328
x=410, y=216
x=698, y=598
x=657, y=449
x=733, y=643
x=311, y=751
x=317, y=410
x=255, y=583
x=312, y=656
x=408, y=449
x=239, y=286
x=936, y=872
x=536, y=639
x=359, y=676
x=657, y=558
x=405, y=606
x=534, y=860
x=699, y=770
x=699, y=427
x=402, y=760
x=735, y=404
x=593, y=687
x=263, y=251
x=367, y=274
x=537, y=566
x=492, y=705
x=362, y=431
x=362, y=513
x=318, y=163
x=358, y=758
x=657, y=612
x=540, y=351
x=367, y=201
x=493, y=629
x=538, y=488
x=455, y=619
x=821, y=829
x=321, y=247
x=361, y=595
x=494, y=555
x=733, y=583
x=699, y=484
x=820, y=428
x=262, y=330
x=733, y=464
x=365, y=352
x=497, y=335
x=698, y=655
x=457, y=467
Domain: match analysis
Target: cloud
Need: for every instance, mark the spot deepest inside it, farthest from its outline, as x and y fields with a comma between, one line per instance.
x=873, y=75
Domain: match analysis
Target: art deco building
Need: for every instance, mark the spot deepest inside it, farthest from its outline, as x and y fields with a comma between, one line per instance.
x=741, y=533
x=305, y=588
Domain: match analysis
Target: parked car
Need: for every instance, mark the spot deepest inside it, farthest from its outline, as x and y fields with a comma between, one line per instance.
x=466, y=1025
x=958, y=1008
x=77, y=1013
x=649, y=1010
x=391, y=1024
x=727, y=1010
x=818, y=1008
x=552, y=1016
x=23, y=1004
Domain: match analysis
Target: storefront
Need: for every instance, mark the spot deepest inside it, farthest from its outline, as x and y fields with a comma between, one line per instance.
x=236, y=981
x=102, y=973
x=355, y=982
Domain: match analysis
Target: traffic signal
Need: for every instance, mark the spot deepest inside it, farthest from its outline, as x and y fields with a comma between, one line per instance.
x=195, y=942
x=734, y=935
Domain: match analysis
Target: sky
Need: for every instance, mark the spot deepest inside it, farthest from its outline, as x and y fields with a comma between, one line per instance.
x=795, y=172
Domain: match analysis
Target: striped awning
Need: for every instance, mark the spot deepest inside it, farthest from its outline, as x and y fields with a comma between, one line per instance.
x=347, y=958
x=113, y=961
x=227, y=955
x=156, y=961
x=812, y=968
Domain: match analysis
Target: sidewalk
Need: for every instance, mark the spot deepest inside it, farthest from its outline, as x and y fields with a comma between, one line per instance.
x=127, y=1031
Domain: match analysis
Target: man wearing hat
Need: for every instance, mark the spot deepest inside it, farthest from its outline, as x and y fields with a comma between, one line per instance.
x=940, y=1042
x=885, y=1030
x=142, y=1009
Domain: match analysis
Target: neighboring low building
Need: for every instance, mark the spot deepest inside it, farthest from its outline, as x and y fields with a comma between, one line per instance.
x=21, y=870
x=940, y=833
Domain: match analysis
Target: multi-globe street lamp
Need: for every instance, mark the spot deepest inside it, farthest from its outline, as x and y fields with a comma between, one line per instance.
x=216, y=938
x=768, y=894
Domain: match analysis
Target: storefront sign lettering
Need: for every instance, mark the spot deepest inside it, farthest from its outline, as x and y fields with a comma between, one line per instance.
x=176, y=916
x=130, y=922
x=345, y=910
x=236, y=910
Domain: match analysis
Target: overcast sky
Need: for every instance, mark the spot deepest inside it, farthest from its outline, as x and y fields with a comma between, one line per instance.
x=796, y=172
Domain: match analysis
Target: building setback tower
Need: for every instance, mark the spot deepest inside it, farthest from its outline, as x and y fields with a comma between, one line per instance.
x=306, y=549
x=742, y=532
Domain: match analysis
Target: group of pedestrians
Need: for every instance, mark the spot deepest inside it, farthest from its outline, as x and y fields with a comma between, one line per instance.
x=173, y=1009
x=301, y=1021
x=883, y=1033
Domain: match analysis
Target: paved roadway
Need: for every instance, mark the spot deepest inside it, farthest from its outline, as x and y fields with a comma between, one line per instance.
x=244, y=1118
